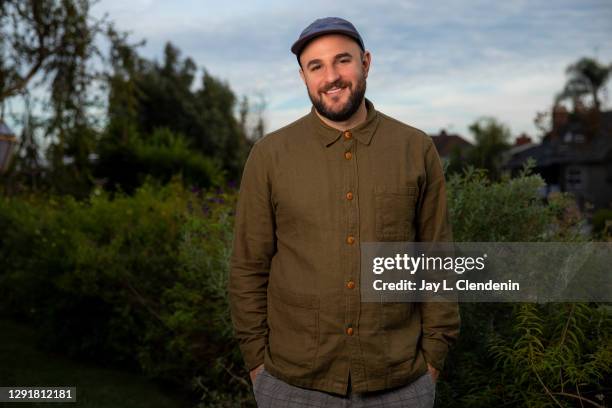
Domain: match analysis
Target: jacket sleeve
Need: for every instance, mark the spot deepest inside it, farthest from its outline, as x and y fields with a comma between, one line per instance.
x=253, y=247
x=440, y=320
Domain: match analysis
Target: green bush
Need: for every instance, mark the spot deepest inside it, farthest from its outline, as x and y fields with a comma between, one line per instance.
x=522, y=354
x=126, y=161
x=600, y=218
x=141, y=281
x=482, y=211
x=510, y=210
x=133, y=280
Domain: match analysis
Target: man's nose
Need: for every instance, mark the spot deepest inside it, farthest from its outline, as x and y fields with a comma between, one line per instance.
x=332, y=74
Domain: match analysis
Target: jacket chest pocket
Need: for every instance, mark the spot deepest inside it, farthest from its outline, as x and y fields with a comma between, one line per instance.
x=395, y=211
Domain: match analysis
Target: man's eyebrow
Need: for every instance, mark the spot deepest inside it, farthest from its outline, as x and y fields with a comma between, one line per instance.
x=343, y=55
x=336, y=58
x=312, y=62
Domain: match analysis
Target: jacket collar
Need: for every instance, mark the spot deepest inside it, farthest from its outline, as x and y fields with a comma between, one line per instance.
x=362, y=132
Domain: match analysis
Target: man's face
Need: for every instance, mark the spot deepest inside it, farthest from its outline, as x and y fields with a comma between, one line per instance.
x=334, y=70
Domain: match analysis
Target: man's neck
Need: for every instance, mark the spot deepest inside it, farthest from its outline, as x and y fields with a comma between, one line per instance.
x=357, y=118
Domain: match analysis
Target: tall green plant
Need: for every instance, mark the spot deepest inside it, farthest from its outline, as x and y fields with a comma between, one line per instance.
x=524, y=354
x=558, y=355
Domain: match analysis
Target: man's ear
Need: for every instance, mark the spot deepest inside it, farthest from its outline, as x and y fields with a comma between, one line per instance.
x=302, y=75
x=366, y=60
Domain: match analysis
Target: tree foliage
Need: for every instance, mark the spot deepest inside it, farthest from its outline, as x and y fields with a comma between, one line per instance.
x=148, y=95
x=49, y=39
x=127, y=163
x=586, y=77
x=491, y=140
x=48, y=53
x=48, y=49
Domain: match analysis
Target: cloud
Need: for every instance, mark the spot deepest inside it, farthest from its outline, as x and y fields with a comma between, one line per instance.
x=435, y=64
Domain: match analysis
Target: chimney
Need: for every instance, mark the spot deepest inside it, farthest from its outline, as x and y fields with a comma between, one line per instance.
x=560, y=117
x=523, y=139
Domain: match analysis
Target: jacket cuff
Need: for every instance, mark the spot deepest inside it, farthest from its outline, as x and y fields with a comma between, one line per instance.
x=435, y=352
x=253, y=353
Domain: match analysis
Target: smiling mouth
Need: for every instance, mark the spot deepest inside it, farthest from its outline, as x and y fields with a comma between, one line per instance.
x=334, y=91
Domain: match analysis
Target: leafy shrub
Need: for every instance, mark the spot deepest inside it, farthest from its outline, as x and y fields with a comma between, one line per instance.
x=522, y=354
x=557, y=355
x=137, y=281
x=141, y=281
x=601, y=220
x=482, y=211
x=126, y=162
x=510, y=210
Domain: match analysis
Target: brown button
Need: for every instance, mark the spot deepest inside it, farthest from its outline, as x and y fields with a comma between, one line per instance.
x=350, y=240
x=348, y=155
x=349, y=331
x=347, y=135
x=349, y=195
x=350, y=285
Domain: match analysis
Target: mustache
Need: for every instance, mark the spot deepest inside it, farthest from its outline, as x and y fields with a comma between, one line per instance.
x=336, y=84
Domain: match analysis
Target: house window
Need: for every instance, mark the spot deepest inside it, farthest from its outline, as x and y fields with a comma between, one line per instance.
x=571, y=137
x=574, y=178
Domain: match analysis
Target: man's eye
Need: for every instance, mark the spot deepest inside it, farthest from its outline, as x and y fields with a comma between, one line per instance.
x=315, y=68
x=344, y=61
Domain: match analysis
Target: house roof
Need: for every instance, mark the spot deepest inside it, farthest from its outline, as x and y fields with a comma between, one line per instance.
x=446, y=143
x=571, y=147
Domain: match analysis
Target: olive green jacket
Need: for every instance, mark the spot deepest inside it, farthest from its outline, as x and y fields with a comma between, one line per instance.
x=309, y=195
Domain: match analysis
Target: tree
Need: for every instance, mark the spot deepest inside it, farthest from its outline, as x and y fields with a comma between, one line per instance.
x=150, y=95
x=51, y=41
x=47, y=48
x=43, y=37
x=585, y=77
x=491, y=139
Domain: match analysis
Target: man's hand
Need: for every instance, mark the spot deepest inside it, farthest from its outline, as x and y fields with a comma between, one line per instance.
x=434, y=372
x=255, y=372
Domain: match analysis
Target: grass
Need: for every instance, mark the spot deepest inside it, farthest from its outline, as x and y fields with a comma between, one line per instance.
x=22, y=364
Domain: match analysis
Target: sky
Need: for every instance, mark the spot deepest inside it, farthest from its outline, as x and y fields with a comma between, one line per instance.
x=435, y=64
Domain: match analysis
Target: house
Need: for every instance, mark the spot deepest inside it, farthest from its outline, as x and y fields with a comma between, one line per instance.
x=451, y=146
x=7, y=144
x=575, y=156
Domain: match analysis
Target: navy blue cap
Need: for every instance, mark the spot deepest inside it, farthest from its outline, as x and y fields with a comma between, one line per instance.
x=327, y=25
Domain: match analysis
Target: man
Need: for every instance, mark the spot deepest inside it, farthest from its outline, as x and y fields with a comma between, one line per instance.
x=310, y=193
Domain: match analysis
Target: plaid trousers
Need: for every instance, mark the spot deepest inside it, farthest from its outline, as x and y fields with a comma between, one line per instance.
x=270, y=392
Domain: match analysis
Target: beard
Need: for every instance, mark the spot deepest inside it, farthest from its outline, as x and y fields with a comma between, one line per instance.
x=352, y=105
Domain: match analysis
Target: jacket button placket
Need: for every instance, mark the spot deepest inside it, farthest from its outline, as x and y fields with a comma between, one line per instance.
x=351, y=201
